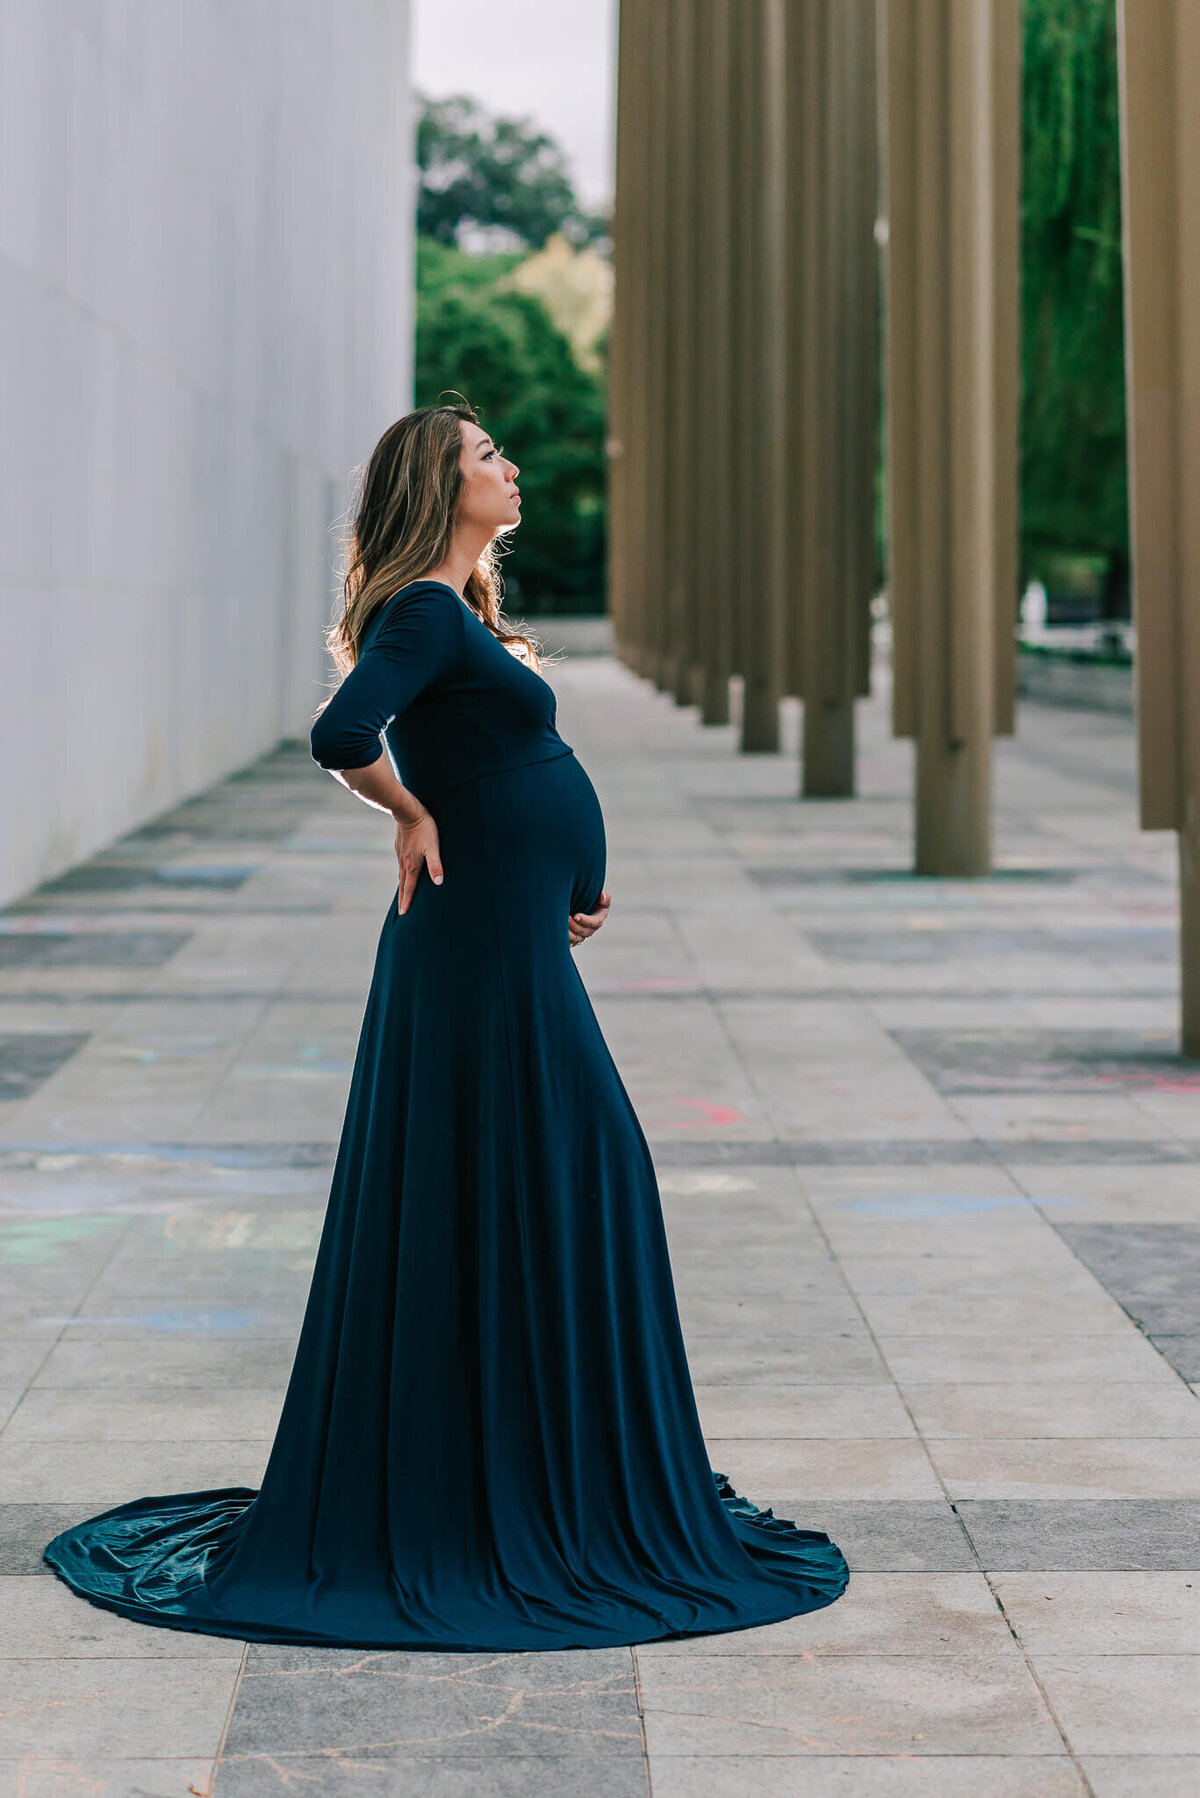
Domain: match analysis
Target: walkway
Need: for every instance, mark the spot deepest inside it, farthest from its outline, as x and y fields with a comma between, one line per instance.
x=932, y=1174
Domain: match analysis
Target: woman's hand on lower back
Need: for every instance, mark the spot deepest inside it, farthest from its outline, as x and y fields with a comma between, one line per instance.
x=581, y=924
x=416, y=848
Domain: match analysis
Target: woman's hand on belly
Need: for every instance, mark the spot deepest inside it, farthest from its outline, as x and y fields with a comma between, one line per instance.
x=581, y=925
x=416, y=848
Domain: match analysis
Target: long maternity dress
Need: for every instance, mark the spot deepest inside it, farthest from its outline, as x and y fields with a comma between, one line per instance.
x=489, y=1439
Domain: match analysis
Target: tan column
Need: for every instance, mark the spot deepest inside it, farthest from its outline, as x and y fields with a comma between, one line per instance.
x=679, y=238
x=627, y=353
x=715, y=564
x=757, y=325
x=831, y=365
x=950, y=81
x=622, y=583
x=1160, y=108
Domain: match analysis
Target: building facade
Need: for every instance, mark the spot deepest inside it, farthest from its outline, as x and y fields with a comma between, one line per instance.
x=205, y=322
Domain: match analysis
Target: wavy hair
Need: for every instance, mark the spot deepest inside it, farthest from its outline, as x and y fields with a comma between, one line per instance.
x=403, y=527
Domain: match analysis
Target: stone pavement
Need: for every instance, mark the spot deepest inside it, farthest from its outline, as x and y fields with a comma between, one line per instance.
x=932, y=1174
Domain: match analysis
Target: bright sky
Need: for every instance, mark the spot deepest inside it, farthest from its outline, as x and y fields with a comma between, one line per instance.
x=552, y=60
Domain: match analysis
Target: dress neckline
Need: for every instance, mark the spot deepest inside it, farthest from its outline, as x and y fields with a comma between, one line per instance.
x=428, y=581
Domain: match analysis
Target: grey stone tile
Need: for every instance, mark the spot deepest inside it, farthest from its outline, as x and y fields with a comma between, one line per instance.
x=1011, y=1313
x=839, y=1359
x=1104, y=1613
x=928, y=947
x=1153, y=1270
x=885, y=1535
x=760, y=1411
x=1027, y=1362
x=1037, y=1061
x=90, y=1776
x=958, y=1151
x=1143, y=1776
x=123, y=876
x=843, y=1704
x=1067, y=1467
x=1082, y=1534
x=25, y=1531
x=1126, y=1704
x=1182, y=1350
x=1054, y=1410
x=880, y=1613
x=389, y=1775
x=43, y=1619
x=207, y=1361
x=27, y=1058
x=141, y=1709
x=100, y=1474
x=909, y=1775
x=89, y=948
x=768, y=1319
x=151, y=1414
x=430, y=1704
x=885, y=1468
x=22, y=1354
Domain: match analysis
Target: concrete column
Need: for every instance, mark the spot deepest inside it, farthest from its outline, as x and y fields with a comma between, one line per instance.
x=831, y=367
x=757, y=436
x=715, y=564
x=1160, y=128
x=950, y=88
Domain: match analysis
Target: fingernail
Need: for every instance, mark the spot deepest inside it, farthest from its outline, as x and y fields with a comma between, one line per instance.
x=437, y=880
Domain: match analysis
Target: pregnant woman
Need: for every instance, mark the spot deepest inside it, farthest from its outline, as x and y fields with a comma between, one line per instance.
x=489, y=1439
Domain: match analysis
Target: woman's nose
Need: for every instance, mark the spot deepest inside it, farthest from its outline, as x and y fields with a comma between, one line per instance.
x=513, y=471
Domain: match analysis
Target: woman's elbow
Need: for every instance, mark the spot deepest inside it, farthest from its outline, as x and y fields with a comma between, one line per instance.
x=328, y=745
x=340, y=749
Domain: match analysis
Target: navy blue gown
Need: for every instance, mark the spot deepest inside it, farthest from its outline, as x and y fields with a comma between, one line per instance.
x=489, y=1439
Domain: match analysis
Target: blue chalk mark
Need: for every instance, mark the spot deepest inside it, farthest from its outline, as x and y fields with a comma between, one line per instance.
x=935, y=1204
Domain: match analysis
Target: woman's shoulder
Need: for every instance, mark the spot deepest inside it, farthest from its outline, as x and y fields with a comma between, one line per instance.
x=421, y=612
x=417, y=601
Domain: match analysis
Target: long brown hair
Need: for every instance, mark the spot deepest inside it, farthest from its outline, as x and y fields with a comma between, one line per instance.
x=403, y=527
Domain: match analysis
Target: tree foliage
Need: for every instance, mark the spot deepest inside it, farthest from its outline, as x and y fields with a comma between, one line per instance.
x=1073, y=468
x=494, y=175
x=502, y=351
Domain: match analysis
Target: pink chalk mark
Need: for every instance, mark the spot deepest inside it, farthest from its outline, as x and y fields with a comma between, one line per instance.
x=710, y=1113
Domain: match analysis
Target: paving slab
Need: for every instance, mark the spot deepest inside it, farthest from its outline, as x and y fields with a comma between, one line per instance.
x=908, y=1775
x=843, y=1704
x=1103, y=1613
x=931, y=1175
x=1125, y=1704
x=95, y=1776
x=1142, y=1776
x=1119, y=1534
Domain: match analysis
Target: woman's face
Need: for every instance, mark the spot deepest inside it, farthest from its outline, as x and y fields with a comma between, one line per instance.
x=490, y=499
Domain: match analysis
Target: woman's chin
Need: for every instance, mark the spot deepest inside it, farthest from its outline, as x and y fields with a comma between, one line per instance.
x=510, y=524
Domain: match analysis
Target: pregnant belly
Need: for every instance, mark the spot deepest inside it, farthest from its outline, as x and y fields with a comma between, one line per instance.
x=559, y=830
x=532, y=838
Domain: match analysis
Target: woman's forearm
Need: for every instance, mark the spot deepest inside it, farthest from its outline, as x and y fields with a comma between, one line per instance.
x=377, y=785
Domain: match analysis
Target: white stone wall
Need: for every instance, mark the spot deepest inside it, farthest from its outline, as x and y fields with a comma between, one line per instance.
x=205, y=322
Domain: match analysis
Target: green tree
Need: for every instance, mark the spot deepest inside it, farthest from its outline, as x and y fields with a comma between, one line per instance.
x=1073, y=471
x=503, y=352
x=490, y=172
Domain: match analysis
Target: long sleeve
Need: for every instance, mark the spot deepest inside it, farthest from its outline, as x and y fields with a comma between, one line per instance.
x=416, y=642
